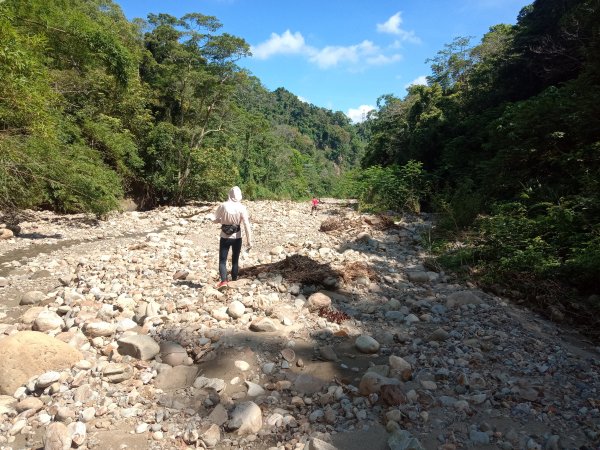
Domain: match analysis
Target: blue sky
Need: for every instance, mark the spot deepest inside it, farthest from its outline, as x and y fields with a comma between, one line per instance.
x=342, y=54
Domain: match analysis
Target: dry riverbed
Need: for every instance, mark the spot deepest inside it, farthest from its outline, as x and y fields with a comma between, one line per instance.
x=112, y=335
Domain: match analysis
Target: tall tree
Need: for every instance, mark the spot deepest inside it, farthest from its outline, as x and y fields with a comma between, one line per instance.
x=193, y=72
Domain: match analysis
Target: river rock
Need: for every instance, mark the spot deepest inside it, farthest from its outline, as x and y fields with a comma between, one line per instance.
x=29, y=353
x=418, y=277
x=308, y=384
x=327, y=352
x=462, y=298
x=236, y=309
x=218, y=415
x=439, y=335
x=99, y=328
x=139, y=346
x=393, y=395
x=32, y=403
x=211, y=436
x=318, y=300
x=117, y=372
x=173, y=354
x=31, y=314
x=398, y=364
x=366, y=344
x=47, y=321
x=176, y=378
x=217, y=384
x=371, y=383
x=46, y=379
x=254, y=390
x=246, y=418
x=5, y=233
x=32, y=298
x=263, y=324
x=78, y=433
x=57, y=437
x=403, y=440
x=319, y=444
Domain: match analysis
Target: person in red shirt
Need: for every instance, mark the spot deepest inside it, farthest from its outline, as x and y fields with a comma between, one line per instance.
x=315, y=202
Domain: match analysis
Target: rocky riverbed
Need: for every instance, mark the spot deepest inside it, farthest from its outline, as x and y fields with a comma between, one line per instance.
x=339, y=335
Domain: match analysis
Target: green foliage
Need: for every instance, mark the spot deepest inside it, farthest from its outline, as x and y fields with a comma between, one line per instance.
x=510, y=130
x=399, y=188
x=545, y=239
x=114, y=143
x=516, y=240
x=458, y=205
x=36, y=172
x=25, y=96
x=159, y=106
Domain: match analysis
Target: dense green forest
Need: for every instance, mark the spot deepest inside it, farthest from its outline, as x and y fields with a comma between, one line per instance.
x=95, y=107
x=503, y=143
x=508, y=134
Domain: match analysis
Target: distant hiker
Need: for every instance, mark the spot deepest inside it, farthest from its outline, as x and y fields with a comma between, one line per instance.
x=315, y=202
x=231, y=214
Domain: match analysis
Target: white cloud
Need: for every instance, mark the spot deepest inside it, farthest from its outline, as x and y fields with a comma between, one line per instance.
x=394, y=26
x=302, y=99
x=380, y=60
x=361, y=55
x=331, y=56
x=422, y=80
x=359, y=114
x=286, y=44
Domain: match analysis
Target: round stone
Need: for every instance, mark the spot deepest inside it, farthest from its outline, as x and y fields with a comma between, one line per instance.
x=366, y=344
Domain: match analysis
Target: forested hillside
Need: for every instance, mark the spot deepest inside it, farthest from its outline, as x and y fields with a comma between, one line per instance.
x=508, y=130
x=95, y=107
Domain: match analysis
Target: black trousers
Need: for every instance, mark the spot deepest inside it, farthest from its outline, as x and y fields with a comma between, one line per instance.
x=236, y=248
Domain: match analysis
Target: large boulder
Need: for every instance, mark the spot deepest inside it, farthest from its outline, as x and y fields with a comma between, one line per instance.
x=30, y=353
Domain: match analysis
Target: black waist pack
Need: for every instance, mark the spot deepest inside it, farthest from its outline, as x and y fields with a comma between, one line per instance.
x=230, y=229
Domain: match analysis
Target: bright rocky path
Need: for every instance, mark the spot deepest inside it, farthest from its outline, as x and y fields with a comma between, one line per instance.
x=112, y=336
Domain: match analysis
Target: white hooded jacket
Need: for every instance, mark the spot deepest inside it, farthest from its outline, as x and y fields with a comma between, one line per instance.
x=232, y=212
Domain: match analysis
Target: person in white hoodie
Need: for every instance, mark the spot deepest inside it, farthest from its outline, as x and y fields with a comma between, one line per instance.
x=231, y=214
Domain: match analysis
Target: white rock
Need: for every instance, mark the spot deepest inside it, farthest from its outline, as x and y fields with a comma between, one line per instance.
x=254, y=390
x=46, y=379
x=99, y=329
x=17, y=427
x=236, y=309
x=77, y=432
x=47, y=321
x=246, y=418
x=87, y=414
x=242, y=365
